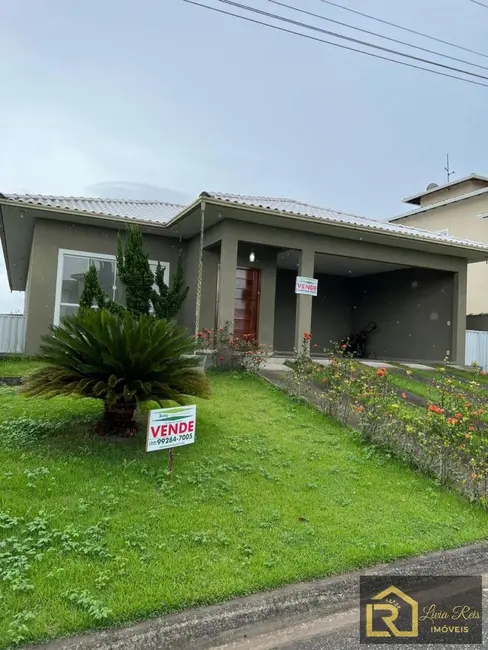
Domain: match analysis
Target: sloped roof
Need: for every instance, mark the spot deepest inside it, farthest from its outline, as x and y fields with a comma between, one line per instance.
x=415, y=198
x=440, y=204
x=153, y=211
x=307, y=210
x=160, y=212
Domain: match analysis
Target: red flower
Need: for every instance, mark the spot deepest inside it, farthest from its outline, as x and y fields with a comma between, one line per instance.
x=325, y=380
x=381, y=372
x=360, y=409
x=200, y=334
x=221, y=358
x=452, y=421
x=315, y=345
x=459, y=415
x=344, y=346
x=436, y=409
x=471, y=428
x=404, y=395
x=307, y=336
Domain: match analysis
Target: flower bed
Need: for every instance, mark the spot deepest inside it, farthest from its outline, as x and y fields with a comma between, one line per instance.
x=448, y=438
x=228, y=352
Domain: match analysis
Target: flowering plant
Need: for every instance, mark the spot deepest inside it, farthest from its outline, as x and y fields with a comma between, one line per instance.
x=234, y=352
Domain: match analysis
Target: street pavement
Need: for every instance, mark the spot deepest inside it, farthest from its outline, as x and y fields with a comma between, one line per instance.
x=338, y=631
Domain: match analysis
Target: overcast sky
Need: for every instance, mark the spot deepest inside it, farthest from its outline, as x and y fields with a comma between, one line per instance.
x=162, y=99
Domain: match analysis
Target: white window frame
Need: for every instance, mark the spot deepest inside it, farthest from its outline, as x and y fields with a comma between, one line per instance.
x=94, y=256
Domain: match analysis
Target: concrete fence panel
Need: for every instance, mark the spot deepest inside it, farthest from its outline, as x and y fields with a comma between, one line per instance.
x=12, y=333
x=477, y=348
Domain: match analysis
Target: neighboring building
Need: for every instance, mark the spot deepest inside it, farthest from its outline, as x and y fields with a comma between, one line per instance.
x=458, y=209
x=242, y=256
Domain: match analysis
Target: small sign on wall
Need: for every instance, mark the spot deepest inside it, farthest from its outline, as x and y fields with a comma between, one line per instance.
x=306, y=286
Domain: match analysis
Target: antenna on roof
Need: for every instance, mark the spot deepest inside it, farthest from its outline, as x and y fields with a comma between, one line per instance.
x=448, y=171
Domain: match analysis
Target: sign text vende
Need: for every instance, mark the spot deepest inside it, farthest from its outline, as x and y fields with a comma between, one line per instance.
x=171, y=427
x=306, y=286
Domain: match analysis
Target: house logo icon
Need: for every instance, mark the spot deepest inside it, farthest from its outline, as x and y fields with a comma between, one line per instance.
x=384, y=610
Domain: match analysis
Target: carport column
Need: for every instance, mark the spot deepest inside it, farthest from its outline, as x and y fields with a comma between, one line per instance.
x=303, y=318
x=458, y=352
x=227, y=281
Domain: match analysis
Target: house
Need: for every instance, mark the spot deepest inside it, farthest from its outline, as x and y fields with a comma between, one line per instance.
x=458, y=209
x=242, y=256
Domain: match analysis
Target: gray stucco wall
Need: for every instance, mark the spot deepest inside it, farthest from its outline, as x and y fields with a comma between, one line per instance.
x=343, y=305
x=413, y=309
x=211, y=259
x=331, y=310
x=49, y=237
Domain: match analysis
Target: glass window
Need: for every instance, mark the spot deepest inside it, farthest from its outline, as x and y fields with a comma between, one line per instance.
x=106, y=275
x=73, y=268
x=154, y=266
x=67, y=310
x=72, y=283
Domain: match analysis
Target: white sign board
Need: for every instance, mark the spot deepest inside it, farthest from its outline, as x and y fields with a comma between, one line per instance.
x=306, y=286
x=171, y=427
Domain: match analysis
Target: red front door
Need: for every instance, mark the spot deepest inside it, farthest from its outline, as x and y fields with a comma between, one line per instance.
x=246, y=302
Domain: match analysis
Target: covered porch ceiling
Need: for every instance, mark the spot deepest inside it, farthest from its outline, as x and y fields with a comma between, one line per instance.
x=337, y=264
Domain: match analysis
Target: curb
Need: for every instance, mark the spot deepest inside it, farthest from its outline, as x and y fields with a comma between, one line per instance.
x=202, y=628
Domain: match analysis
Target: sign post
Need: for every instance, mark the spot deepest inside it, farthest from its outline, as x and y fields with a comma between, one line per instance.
x=170, y=428
x=306, y=286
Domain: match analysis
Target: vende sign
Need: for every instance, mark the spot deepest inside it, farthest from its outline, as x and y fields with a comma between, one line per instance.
x=307, y=286
x=171, y=427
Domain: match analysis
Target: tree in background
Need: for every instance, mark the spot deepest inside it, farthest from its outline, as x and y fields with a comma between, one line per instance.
x=134, y=271
x=167, y=301
x=92, y=291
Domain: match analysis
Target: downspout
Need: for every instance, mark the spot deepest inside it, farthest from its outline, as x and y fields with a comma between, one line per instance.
x=200, y=269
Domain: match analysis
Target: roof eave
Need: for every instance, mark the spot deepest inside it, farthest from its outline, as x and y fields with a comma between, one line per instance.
x=4, y=247
x=63, y=211
x=341, y=225
x=415, y=198
x=441, y=204
x=186, y=211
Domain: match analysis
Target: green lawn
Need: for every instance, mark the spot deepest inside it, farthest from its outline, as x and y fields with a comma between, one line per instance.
x=412, y=385
x=271, y=493
x=17, y=366
x=469, y=375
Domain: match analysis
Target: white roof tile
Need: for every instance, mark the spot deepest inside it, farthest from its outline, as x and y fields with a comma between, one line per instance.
x=154, y=211
x=307, y=210
x=163, y=213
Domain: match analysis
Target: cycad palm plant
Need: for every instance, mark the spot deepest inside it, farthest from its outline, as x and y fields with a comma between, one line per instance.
x=121, y=360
